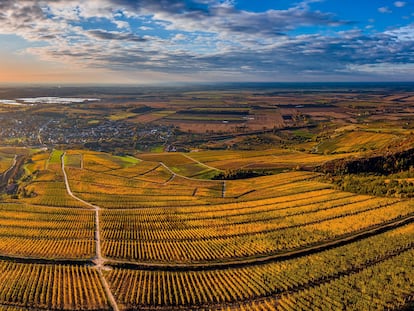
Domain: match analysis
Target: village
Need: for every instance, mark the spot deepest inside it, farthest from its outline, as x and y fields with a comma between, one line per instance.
x=35, y=131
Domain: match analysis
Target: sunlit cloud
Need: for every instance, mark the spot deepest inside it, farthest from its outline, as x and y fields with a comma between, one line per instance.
x=179, y=39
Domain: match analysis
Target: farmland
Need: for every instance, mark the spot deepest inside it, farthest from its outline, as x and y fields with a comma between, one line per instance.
x=317, y=119
x=168, y=241
x=106, y=224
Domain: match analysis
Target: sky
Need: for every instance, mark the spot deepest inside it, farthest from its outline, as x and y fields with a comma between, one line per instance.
x=175, y=41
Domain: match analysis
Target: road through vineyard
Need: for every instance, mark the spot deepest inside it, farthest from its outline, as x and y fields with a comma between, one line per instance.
x=98, y=258
x=106, y=232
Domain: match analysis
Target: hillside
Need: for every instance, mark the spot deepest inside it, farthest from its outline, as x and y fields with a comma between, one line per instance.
x=126, y=233
x=389, y=160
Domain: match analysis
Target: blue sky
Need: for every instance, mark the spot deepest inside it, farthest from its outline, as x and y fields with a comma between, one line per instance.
x=150, y=41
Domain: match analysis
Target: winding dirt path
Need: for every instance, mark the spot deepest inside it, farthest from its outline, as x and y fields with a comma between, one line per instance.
x=188, y=178
x=14, y=162
x=201, y=163
x=7, y=174
x=98, y=260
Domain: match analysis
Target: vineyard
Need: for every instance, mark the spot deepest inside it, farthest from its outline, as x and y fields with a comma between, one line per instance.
x=181, y=164
x=43, y=232
x=93, y=231
x=290, y=281
x=356, y=141
x=50, y=287
x=272, y=158
x=7, y=156
x=6, y=160
x=46, y=186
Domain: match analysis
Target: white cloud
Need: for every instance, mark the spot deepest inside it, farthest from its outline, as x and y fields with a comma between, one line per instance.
x=399, y=4
x=179, y=37
x=403, y=33
x=121, y=24
x=384, y=9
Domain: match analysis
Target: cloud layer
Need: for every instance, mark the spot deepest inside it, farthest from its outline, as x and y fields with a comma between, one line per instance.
x=208, y=39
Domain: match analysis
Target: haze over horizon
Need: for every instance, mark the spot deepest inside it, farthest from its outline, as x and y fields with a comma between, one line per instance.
x=160, y=41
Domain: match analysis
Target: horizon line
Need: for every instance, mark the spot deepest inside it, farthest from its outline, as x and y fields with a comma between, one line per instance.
x=172, y=84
